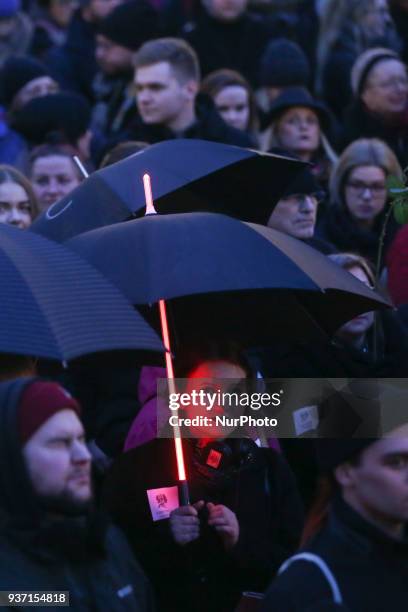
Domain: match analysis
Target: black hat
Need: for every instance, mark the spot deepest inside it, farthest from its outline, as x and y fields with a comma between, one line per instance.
x=17, y=72
x=333, y=452
x=298, y=96
x=131, y=24
x=284, y=64
x=304, y=183
x=65, y=115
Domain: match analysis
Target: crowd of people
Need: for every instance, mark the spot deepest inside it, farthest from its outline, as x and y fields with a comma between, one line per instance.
x=88, y=489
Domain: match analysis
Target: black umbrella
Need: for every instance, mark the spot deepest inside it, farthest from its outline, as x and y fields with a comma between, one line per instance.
x=188, y=175
x=55, y=305
x=225, y=278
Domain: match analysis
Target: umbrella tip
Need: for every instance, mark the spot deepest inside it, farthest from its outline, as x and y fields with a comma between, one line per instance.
x=150, y=209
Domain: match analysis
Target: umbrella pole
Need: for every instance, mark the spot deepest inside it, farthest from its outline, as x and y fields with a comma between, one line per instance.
x=81, y=166
x=183, y=484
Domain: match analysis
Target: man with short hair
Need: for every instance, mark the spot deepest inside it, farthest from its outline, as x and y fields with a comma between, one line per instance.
x=51, y=537
x=295, y=213
x=358, y=532
x=167, y=77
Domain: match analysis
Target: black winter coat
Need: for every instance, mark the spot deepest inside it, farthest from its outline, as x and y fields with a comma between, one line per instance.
x=209, y=126
x=74, y=65
x=201, y=575
x=337, y=227
x=79, y=554
x=371, y=569
x=360, y=123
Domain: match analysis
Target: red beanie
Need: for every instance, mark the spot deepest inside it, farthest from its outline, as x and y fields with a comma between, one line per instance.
x=39, y=401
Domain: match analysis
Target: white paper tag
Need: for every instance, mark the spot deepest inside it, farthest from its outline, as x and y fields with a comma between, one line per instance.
x=305, y=419
x=162, y=502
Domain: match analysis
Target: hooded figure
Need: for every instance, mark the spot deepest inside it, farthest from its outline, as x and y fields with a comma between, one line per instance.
x=54, y=540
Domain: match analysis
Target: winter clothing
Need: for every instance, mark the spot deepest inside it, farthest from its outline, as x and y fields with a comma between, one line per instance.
x=115, y=107
x=284, y=64
x=365, y=63
x=299, y=96
x=359, y=122
x=256, y=485
x=107, y=391
x=13, y=149
x=67, y=115
x=335, y=359
x=304, y=183
x=38, y=403
x=338, y=227
x=237, y=45
x=397, y=266
x=74, y=65
x=131, y=24
x=144, y=426
x=370, y=567
x=208, y=126
x=336, y=81
x=16, y=73
x=47, y=34
x=79, y=554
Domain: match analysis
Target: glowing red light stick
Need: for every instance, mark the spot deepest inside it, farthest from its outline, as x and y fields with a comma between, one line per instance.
x=183, y=485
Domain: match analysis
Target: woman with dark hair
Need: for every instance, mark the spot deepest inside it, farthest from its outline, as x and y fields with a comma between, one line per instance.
x=244, y=516
x=18, y=202
x=233, y=98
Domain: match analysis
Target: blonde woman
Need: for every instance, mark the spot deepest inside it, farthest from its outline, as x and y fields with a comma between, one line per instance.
x=18, y=204
x=299, y=124
x=358, y=198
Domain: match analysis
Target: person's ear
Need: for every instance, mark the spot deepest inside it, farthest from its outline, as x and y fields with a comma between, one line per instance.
x=345, y=474
x=191, y=90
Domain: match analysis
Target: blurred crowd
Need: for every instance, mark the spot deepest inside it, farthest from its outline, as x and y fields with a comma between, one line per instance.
x=87, y=83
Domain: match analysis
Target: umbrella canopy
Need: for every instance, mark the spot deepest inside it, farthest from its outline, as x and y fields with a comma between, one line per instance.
x=226, y=278
x=189, y=175
x=57, y=306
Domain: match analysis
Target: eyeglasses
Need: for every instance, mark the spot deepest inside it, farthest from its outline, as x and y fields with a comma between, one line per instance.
x=392, y=83
x=377, y=189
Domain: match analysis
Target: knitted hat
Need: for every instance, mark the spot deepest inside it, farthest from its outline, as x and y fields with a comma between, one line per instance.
x=8, y=8
x=39, y=401
x=365, y=63
x=63, y=115
x=131, y=24
x=16, y=73
x=284, y=64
